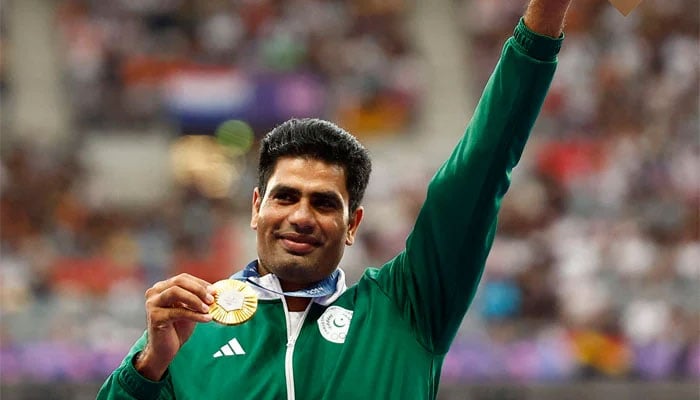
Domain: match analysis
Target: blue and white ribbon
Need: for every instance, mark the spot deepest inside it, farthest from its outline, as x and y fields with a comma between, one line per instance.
x=322, y=288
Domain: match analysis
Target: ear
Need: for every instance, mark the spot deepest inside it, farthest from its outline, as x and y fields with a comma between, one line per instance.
x=355, y=220
x=255, y=209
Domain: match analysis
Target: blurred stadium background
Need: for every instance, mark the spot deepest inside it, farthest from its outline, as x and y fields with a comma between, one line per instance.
x=112, y=177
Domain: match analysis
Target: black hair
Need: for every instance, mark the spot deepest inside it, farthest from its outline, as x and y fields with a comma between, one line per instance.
x=320, y=140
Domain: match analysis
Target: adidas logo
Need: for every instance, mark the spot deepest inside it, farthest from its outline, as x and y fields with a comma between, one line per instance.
x=232, y=348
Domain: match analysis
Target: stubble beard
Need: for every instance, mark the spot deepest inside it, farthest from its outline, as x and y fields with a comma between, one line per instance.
x=300, y=273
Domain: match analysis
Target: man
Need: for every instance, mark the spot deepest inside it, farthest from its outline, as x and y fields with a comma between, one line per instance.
x=386, y=336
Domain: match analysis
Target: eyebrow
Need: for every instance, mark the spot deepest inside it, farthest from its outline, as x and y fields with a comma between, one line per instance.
x=284, y=189
x=326, y=195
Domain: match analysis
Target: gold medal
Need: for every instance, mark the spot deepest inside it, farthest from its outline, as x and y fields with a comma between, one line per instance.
x=234, y=302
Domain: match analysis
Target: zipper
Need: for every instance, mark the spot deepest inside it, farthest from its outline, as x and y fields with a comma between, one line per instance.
x=291, y=341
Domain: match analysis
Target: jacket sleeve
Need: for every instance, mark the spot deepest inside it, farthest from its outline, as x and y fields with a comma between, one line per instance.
x=434, y=279
x=126, y=383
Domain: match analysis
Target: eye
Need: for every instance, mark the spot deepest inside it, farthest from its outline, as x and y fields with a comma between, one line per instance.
x=284, y=197
x=326, y=203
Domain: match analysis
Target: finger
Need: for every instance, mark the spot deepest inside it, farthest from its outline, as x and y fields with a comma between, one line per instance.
x=181, y=279
x=195, y=285
x=187, y=276
x=162, y=317
x=186, y=281
x=177, y=297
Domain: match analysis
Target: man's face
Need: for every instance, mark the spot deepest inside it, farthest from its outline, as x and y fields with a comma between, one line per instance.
x=303, y=222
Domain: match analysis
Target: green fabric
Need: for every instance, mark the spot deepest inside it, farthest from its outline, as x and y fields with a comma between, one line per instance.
x=536, y=45
x=406, y=314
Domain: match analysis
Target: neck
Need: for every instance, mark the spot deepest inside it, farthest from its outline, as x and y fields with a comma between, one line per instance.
x=293, y=286
x=295, y=304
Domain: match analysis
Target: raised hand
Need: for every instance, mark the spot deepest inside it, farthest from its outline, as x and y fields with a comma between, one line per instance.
x=546, y=16
x=173, y=308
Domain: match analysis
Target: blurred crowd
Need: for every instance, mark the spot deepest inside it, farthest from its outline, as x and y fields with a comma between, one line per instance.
x=596, y=269
x=192, y=63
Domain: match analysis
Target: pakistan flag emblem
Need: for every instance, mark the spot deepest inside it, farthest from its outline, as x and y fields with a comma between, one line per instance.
x=334, y=324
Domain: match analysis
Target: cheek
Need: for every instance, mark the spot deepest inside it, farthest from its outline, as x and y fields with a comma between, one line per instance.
x=269, y=216
x=262, y=222
x=338, y=228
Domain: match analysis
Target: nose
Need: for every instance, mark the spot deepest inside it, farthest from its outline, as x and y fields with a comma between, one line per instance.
x=302, y=218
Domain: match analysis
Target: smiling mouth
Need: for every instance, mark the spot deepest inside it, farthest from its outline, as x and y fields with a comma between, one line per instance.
x=297, y=248
x=301, y=245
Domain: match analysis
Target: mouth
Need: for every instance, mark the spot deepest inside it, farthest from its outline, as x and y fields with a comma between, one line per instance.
x=298, y=244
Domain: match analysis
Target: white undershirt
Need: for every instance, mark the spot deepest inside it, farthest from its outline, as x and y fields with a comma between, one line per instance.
x=295, y=319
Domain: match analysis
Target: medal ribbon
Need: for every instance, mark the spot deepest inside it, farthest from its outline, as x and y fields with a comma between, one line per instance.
x=322, y=288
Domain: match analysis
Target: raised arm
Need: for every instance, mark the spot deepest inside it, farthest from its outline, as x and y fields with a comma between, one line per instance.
x=434, y=279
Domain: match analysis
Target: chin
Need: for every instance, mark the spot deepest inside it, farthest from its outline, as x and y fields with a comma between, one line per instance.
x=293, y=270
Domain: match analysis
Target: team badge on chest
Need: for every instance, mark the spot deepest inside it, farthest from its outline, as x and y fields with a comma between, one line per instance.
x=334, y=324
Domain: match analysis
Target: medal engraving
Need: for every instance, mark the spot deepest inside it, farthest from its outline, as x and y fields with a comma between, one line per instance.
x=234, y=302
x=231, y=300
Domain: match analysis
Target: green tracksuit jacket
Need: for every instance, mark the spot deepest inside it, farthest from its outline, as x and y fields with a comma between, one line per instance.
x=386, y=336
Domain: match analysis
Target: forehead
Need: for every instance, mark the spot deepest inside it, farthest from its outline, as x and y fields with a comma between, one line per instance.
x=308, y=174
